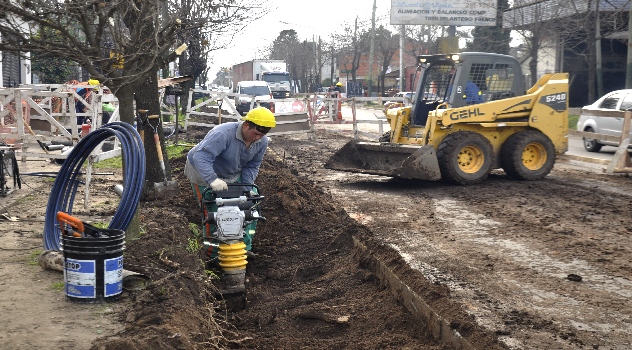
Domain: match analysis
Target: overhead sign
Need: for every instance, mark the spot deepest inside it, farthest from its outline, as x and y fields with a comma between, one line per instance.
x=440, y=13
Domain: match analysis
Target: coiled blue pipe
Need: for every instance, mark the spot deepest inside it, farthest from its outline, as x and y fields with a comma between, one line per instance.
x=64, y=189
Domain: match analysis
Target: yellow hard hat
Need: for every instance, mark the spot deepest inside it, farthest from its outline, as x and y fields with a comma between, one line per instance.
x=338, y=84
x=93, y=82
x=261, y=116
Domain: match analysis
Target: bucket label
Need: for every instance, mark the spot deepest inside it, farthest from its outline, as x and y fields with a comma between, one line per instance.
x=113, y=276
x=80, y=277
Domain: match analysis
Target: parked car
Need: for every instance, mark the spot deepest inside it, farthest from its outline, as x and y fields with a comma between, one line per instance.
x=591, y=118
x=406, y=97
x=257, y=88
x=198, y=95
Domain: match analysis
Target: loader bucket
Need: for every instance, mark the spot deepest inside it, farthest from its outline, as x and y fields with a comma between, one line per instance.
x=404, y=161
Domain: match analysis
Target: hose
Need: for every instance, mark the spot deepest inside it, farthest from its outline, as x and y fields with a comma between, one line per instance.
x=65, y=187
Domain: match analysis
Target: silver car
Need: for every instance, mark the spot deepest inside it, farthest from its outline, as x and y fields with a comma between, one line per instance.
x=590, y=120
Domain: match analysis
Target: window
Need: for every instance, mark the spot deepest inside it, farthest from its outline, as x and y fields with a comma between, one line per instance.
x=255, y=90
x=276, y=78
x=438, y=82
x=610, y=102
x=627, y=102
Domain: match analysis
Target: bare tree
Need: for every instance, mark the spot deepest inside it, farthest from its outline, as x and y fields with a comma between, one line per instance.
x=354, y=43
x=288, y=47
x=569, y=26
x=122, y=43
x=387, y=45
x=422, y=39
x=493, y=39
x=533, y=23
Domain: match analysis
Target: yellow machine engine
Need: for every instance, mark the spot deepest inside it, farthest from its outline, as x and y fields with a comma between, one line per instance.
x=470, y=114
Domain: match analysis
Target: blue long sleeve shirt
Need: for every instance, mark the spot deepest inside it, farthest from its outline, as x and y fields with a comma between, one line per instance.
x=223, y=154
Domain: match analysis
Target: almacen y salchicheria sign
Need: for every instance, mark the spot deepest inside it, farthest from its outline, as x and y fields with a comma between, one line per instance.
x=444, y=13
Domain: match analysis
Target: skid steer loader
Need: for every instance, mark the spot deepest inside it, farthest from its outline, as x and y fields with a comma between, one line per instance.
x=470, y=114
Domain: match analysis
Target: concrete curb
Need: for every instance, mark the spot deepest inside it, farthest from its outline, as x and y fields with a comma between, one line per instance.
x=427, y=318
x=570, y=157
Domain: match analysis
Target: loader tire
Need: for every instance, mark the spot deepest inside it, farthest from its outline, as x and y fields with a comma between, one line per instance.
x=465, y=158
x=527, y=155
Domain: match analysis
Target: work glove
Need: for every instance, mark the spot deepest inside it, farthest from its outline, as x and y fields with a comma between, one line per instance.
x=219, y=185
x=253, y=194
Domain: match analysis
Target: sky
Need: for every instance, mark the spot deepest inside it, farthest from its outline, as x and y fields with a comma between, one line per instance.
x=308, y=18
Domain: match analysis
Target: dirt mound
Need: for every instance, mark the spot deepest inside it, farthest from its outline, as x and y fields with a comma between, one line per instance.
x=305, y=287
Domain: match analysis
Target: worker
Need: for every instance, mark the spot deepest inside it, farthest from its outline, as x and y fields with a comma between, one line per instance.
x=472, y=93
x=338, y=87
x=337, y=114
x=80, y=107
x=108, y=109
x=230, y=152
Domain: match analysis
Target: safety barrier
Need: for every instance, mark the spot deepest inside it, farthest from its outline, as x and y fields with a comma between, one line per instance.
x=291, y=115
x=326, y=110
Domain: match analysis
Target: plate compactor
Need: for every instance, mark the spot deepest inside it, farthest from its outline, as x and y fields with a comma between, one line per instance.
x=230, y=218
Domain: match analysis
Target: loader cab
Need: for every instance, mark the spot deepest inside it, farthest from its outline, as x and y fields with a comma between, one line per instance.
x=464, y=79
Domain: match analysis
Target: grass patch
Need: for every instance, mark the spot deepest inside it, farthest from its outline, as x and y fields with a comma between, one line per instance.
x=194, y=242
x=572, y=121
x=57, y=286
x=174, y=151
x=193, y=245
x=32, y=258
x=100, y=224
x=110, y=163
x=26, y=199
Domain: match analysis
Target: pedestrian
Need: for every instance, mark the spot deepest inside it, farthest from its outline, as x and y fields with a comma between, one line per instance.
x=230, y=152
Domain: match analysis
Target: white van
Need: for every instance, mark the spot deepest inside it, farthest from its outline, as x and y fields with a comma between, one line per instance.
x=247, y=89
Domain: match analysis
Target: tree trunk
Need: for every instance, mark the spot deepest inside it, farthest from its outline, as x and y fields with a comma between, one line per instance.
x=592, y=62
x=533, y=64
x=125, y=96
x=147, y=97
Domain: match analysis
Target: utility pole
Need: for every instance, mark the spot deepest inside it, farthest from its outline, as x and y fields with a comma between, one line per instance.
x=628, y=72
x=333, y=64
x=402, y=34
x=599, y=60
x=371, y=50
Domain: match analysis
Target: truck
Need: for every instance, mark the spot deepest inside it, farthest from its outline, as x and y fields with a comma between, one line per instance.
x=253, y=93
x=470, y=114
x=274, y=72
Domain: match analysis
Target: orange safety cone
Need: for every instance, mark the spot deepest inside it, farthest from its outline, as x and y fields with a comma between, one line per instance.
x=339, y=116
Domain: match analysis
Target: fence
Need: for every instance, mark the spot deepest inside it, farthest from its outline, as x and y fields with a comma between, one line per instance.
x=48, y=114
x=291, y=116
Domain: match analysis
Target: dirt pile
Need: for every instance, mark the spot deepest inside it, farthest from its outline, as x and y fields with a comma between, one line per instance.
x=305, y=288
